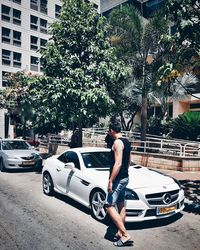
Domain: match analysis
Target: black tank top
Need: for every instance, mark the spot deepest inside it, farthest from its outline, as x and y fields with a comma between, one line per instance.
x=123, y=173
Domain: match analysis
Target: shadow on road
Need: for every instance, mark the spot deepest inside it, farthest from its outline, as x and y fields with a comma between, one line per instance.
x=111, y=230
x=192, y=193
x=72, y=203
x=154, y=223
x=23, y=170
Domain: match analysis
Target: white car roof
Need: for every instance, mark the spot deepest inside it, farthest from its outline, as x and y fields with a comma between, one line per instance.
x=90, y=149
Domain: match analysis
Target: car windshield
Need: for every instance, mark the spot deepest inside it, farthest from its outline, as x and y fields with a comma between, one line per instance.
x=10, y=145
x=96, y=159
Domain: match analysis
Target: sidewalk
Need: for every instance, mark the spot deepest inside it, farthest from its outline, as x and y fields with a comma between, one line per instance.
x=190, y=182
x=193, y=176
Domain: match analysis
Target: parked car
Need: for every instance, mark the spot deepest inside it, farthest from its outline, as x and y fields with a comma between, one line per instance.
x=17, y=153
x=33, y=142
x=82, y=174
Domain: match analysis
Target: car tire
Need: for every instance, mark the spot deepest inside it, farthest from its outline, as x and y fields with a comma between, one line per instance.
x=2, y=166
x=97, y=203
x=47, y=184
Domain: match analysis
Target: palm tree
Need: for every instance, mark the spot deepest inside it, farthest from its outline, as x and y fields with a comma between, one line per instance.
x=177, y=89
x=137, y=43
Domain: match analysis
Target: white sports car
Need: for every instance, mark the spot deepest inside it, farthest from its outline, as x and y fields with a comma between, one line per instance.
x=82, y=174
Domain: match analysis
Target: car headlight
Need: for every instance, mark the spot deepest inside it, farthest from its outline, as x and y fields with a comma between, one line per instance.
x=131, y=195
x=10, y=157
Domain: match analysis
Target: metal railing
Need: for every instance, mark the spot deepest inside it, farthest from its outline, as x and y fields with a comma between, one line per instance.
x=152, y=145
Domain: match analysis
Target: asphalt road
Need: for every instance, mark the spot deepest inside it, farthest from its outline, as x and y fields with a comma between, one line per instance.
x=31, y=220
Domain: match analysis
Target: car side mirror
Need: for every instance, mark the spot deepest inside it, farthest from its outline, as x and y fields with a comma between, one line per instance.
x=70, y=165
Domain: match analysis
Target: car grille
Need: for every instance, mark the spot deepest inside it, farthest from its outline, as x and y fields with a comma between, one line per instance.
x=159, y=198
x=27, y=158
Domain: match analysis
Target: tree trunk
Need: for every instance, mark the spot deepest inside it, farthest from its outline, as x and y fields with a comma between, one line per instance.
x=144, y=117
x=80, y=134
x=144, y=108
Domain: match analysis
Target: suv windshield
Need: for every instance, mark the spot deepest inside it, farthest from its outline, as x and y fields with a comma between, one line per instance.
x=96, y=159
x=10, y=145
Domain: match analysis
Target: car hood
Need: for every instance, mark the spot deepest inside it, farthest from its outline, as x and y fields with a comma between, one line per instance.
x=20, y=153
x=142, y=177
x=139, y=177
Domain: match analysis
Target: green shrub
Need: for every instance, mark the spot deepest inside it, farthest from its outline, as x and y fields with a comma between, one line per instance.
x=158, y=126
x=186, y=126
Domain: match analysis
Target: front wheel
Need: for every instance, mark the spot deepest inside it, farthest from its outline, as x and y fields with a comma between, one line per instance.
x=97, y=202
x=2, y=167
x=47, y=184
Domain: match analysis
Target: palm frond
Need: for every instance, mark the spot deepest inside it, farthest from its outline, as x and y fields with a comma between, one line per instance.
x=182, y=86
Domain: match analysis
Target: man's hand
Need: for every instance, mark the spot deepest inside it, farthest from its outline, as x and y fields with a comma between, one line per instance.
x=109, y=188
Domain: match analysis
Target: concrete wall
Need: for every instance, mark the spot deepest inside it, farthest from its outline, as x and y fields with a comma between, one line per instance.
x=166, y=162
x=180, y=107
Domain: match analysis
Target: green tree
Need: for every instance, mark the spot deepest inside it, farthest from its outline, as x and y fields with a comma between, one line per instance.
x=15, y=99
x=79, y=67
x=186, y=17
x=137, y=43
x=26, y=111
x=181, y=48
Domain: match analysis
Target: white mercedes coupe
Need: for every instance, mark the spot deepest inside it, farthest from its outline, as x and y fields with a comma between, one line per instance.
x=82, y=174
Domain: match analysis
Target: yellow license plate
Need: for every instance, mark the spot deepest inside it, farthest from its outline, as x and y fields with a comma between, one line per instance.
x=28, y=163
x=166, y=210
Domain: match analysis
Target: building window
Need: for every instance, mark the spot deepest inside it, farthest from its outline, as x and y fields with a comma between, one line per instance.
x=34, y=22
x=5, y=13
x=43, y=6
x=16, y=38
x=5, y=35
x=34, y=42
x=6, y=57
x=43, y=43
x=5, y=78
x=41, y=65
x=43, y=25
x=95, y=6
x=34, y=4
x=34, y=63
x=17, y=1
x=17, y=60
x=17, y=17
x=57, y=10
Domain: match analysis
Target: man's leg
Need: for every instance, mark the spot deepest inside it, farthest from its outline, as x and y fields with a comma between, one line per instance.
x=117, y=220
x=122, y=212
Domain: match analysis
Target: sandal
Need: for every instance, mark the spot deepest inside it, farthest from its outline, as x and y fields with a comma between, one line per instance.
x=116, y=237
x=121, y=243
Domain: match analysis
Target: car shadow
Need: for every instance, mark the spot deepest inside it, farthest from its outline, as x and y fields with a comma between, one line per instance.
x=72, y=202
x=112, y=230
x=154, y=223
x=24, y=170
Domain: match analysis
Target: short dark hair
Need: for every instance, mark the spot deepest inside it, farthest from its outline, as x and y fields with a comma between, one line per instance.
x=116, y=126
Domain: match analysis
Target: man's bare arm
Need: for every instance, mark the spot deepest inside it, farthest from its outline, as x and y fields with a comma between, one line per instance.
x=118, y=151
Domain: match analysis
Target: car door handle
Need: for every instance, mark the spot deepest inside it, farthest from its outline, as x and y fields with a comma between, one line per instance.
x=58, y=169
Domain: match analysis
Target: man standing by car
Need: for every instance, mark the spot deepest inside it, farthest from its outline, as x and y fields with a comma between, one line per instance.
x=118, y=180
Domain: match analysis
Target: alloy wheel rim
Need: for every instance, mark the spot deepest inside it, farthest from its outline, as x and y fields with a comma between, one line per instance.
x=46, y=183
x=98, y=205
